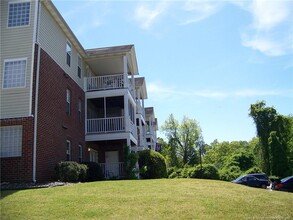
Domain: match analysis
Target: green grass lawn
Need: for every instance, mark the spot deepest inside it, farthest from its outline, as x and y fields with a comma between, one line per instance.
x=148, y=199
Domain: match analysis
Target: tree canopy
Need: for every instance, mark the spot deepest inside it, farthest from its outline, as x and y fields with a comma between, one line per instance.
x=182, y=140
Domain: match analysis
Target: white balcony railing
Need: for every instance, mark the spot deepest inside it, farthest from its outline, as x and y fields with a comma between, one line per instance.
x=112, y=170
x=117, y=81
x=103, y=125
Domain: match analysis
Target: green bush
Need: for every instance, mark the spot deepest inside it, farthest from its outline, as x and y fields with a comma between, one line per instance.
x=230, y=173
x=70, y=171
x=94, y=172
x=253, y=170
x=152, y=165
x=130, y=158
x=208, y=171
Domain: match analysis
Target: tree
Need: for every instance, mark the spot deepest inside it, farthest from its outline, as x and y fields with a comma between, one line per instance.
x=182, y=139
x=275, y=137
x=263, y=117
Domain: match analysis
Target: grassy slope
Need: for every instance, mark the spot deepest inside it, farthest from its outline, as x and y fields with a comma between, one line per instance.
x=147, y=199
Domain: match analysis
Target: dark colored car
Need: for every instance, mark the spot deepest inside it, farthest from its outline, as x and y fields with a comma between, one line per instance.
x=285, y=184
x=260, y=176
x=251, y=180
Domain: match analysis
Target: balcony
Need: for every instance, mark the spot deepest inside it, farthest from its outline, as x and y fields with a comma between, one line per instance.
x=108, y=82
x=110, y=125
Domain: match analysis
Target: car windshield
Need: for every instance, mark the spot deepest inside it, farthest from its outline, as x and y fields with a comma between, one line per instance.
x=287, y=178
x=239, y=178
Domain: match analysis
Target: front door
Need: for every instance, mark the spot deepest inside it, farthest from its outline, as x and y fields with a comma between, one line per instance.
x=112, y=164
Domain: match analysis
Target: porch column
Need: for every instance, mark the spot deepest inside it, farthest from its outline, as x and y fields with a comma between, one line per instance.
x=125, y=72
x=126, y=113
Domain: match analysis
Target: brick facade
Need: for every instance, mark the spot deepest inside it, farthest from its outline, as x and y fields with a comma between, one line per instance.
x=19, y=168
x=54, y=125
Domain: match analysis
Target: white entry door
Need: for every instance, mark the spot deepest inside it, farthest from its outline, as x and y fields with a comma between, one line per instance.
x=112, y=164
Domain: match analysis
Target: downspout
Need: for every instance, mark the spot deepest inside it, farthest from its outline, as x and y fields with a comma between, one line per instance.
x=37, y=17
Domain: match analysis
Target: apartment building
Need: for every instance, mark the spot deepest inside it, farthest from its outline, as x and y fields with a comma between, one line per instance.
x=61, y=102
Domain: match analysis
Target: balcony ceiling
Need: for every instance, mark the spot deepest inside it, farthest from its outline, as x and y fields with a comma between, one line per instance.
x=109, y=60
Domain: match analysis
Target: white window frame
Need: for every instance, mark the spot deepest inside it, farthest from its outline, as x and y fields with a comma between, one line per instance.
x=23, y=72
x=68, y=101
x=8, y=14
x=79, y=65
x=68, y=150
x=68, y=53
x=11, y=141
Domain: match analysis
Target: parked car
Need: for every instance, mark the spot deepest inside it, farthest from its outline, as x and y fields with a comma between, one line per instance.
x=251, y=180
x=261, y=176
x=285, y=184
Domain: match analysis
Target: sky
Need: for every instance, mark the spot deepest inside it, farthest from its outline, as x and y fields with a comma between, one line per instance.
x=207, y=60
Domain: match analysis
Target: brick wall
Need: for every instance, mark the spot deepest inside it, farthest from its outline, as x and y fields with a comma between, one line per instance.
x=54, y=125
x=19, y=168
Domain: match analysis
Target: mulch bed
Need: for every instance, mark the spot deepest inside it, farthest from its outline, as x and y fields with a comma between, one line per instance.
x=30, y=185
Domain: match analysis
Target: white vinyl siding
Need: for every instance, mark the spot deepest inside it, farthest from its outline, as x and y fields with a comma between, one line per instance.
x=16, y=43
x=18, y=14
x=14, y=73
x=55, y=45
x=11, y=141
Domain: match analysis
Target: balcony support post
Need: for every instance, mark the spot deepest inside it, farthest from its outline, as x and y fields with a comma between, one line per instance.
x=126, y=112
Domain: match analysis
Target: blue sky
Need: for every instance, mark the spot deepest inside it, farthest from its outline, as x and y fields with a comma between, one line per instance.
x=207, y=60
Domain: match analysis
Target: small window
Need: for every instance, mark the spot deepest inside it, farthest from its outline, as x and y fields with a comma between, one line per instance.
x=11, y=141
x=18, y=14
x=14, y=73
x=68, y=53
x=68, y=150
x=78, y=66
x=80, y=110
x=68, y=101
x=80, y=153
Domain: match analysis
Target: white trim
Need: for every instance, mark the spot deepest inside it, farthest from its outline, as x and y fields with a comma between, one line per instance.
x=12, y=60
x=36, y=115
x=35, y=39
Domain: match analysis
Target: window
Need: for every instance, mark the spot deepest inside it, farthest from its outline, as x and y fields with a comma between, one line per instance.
x=68, y=150
x=68, y=100
x=14, y=73
x=18, y=14
x=78, y=66
x=94, y=157
x=68, y=53
x=80, y=110
x=80, y=153
x=11, y=141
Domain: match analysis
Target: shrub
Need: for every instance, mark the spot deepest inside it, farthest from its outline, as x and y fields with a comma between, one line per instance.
x=130, y=163
x=94, y=172
x=208, y=171
x=230, y=173
x=152, y=165
x=253, y=170
x=70, y=171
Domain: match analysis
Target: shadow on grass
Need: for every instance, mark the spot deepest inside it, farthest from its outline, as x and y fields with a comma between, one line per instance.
x=7, y=192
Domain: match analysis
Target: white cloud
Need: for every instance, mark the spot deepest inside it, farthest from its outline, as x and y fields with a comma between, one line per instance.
x=147, y=14
x=265, y=45
x=157, y=91
x=198, y=10
x=271, y=31
x=268, y=14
